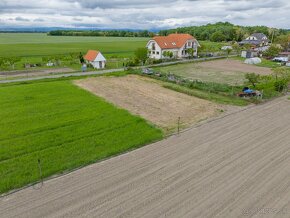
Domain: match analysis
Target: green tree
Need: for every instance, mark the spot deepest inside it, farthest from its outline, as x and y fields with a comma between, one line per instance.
x=228, y=51
x=81, y=58
x=190, y=51
x=272, y=51
x=237, y=48
x=218, y=37
x=141, y=54
x=11, y=61
x=252, y=78
x=283, y=40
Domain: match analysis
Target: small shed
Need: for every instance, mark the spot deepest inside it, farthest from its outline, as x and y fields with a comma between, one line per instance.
x=249, y=54
x=96, y=59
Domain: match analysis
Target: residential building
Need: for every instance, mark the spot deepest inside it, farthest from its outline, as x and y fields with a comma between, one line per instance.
x=96, y=59
x=178, y=44
x=256, y=40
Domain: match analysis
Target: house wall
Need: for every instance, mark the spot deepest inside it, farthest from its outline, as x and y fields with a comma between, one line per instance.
x=157, y=53
x=182, y=51
x=173, y=50
x=96, y=64
x=177, y=53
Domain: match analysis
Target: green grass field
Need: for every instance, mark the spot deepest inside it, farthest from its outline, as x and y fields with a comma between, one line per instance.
x=39, y=44
x=196, y=72
x=63, y=126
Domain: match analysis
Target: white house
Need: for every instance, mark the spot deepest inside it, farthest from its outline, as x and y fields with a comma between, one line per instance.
x=96, y=59
x=178, y=44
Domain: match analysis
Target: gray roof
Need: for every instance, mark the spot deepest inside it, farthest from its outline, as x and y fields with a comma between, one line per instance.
x=259, y=40
x=259, y=36
x=252, y=42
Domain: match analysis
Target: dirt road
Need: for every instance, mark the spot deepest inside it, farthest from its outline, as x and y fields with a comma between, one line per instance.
x=236, y=166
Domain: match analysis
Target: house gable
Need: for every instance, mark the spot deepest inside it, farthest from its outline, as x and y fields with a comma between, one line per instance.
x=100, y=57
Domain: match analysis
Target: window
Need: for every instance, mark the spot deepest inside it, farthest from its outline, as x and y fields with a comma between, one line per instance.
x=153, y=52
x=157, y=52
x=153, y=46
x=189, y=44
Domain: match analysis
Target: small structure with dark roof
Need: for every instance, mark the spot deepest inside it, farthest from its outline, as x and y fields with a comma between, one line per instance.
x=96, y=59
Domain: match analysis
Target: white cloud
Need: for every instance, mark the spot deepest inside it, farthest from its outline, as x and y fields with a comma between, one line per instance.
x=143, y=14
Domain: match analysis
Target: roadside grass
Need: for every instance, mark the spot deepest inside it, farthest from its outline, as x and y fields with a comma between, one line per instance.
x=214, y=97
x=63, y=126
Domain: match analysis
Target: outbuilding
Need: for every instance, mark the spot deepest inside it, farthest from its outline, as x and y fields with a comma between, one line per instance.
x=249, y=54
x=96, y=59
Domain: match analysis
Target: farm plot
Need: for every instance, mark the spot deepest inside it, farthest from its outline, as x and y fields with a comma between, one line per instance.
x=63, y=126
x=221, y=71
x=147, y=98
x=39, y=44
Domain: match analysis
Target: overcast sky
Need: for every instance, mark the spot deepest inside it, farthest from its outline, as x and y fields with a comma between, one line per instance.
x=144, y=14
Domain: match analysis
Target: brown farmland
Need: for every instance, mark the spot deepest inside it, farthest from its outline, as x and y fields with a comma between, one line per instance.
x=147, y=98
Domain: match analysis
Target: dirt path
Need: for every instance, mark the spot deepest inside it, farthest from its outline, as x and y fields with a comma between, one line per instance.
x=147, y=98
x=237, y=166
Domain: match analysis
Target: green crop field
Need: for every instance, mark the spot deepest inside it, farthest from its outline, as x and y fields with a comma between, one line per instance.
x=39, y=44
x=63, y=126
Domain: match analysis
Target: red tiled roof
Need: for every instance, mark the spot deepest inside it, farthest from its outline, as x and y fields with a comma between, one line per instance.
x=91, y=55
x=172, y=40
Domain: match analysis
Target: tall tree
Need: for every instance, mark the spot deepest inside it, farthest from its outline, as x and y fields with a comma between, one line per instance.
x=141, y=54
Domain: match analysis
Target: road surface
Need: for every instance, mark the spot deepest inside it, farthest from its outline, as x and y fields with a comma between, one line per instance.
x=236, y=166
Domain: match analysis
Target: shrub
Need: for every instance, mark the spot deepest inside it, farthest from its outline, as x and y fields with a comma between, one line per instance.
x=281, y=85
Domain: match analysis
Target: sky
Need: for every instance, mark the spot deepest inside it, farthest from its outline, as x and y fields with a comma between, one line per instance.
x=144, y=14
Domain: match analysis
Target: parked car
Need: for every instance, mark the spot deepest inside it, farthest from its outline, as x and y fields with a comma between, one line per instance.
x=280, y=59
x=147, y=71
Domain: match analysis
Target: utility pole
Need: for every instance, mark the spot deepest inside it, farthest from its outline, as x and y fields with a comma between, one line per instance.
x=178, y=125
x=272, y=36
x=40, y=170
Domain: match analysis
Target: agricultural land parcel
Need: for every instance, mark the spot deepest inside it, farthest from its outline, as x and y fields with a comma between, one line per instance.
x=226, y=71
x=39, y=44
x=146, y=97
x=63, y=126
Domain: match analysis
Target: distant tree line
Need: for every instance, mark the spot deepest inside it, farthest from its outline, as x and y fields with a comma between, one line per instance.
x=225, y=31
x=112, y=33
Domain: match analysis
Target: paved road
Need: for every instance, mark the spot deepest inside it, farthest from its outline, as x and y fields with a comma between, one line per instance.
x=55, y=76
x=236, y=166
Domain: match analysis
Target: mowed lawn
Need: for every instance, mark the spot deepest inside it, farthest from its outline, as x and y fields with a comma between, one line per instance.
x=39, y=44
x=63, y=126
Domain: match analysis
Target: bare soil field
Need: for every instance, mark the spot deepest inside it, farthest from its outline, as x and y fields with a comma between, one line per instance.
x=236, y=166
x=147, y=98
x=227, y=71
